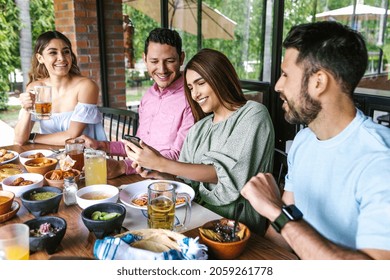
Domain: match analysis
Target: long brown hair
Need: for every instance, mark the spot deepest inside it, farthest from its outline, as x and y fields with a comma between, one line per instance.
x=38, y=71
x=216, y=69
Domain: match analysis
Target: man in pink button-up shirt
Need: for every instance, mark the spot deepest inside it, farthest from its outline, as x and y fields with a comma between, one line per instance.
x=165, y=115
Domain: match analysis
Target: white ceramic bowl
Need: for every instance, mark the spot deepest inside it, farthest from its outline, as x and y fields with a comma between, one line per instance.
x=23, y=157
x=94, y=194
x=18, y=190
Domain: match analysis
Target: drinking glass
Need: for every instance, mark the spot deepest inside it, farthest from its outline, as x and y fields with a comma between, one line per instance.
x=162, y=205
x=42, y=105
x=14, y=242
x=74, y=147
x=95, y=167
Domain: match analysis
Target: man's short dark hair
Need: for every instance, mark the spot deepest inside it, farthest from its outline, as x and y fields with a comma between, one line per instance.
x=164, y=36
x=333, y=47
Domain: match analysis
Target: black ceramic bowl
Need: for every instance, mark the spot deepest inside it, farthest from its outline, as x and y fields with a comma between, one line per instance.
x=46, y=242
x=103, y=228
x=42, y=207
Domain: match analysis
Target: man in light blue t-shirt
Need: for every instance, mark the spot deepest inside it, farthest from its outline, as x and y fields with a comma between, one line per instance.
x=336, y=203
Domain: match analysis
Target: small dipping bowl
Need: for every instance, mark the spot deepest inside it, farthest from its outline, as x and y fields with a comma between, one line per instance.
x=94, y=194
x=6, y=200
x=225, y=250
x=102, y=228
x=47, y=242
x=42, y=207
x=40, y=165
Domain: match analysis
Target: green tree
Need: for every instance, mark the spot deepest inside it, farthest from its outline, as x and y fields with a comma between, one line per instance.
x=9, y=38
x=42, y=17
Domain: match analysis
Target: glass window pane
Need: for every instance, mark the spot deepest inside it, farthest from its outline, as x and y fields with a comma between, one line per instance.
x=369, y=18
x=232, y=27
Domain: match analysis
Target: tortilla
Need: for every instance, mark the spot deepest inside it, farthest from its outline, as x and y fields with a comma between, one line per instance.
x=156, y=240
x=8, y=170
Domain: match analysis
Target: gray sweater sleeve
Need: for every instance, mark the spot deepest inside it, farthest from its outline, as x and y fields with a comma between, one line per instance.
x=238, y=148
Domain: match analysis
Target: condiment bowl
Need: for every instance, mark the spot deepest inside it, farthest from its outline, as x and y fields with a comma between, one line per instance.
x=40, y=165
x=94, y=194
x=6, y=200
x=35, y=178
x=225, y=250
x=49, y=241
x=27, y=155
x=42, y=207
x=102, y=227
x=60, y=183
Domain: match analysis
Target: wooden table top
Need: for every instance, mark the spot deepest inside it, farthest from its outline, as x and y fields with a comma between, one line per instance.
x=78, y=241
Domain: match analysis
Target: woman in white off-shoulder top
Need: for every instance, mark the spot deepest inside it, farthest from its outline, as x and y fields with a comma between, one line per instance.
x=74, y=97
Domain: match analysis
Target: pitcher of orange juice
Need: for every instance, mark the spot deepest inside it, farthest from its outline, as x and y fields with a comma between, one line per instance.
x=14, y=242
x=95, y=167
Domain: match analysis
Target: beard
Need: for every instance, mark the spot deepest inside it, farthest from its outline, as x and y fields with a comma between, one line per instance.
x=307, y=112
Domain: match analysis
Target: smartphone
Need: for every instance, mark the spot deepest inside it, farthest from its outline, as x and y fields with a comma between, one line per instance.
x=133, y=139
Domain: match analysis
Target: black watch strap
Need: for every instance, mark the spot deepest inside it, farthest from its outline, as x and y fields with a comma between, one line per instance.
x=31, y=139
x=289, y=213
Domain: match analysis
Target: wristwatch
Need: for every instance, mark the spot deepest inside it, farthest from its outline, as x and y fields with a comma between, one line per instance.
x=31, y=139
x=289, y=213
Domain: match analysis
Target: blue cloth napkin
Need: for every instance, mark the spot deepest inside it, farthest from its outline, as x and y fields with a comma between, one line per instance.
x=119, y=248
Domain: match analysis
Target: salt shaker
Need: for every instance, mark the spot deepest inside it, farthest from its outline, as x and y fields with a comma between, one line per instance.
x=70, y=189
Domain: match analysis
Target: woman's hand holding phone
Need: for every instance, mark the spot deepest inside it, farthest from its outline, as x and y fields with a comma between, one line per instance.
x=131, y=153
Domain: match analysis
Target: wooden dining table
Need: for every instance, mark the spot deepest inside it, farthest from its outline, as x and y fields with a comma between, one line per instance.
x=78, y=242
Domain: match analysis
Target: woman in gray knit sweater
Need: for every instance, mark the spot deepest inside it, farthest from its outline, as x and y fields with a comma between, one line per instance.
x=232, y=140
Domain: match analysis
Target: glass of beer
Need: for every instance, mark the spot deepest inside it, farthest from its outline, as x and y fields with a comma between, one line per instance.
x=95, y=167
x=162, y=205
x=14, y=242
x=74, y=147
x=42, y=105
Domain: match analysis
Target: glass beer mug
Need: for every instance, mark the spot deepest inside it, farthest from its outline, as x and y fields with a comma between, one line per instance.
x=162, y=205
x=43, y=102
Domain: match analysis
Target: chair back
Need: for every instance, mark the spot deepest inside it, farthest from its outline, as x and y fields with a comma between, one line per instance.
x=280, y=168
x=119, y=122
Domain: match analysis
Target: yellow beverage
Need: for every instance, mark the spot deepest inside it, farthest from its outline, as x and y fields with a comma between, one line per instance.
x=17, y=253
x=161, y=213
x=95, y=170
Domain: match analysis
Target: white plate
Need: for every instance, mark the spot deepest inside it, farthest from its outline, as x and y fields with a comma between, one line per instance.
x=16, y=154
x=23, y=157
x=131, y=191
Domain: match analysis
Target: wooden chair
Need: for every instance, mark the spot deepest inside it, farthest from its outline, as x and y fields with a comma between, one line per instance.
x=280, y=168
x=119, y=122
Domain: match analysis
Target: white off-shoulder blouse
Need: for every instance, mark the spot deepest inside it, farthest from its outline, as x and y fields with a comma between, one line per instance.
x=84, y=113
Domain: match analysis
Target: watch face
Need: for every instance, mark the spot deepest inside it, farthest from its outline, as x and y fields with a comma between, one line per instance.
x=292, y=212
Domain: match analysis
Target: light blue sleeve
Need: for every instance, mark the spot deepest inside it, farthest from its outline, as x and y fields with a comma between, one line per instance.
x=90, y=114
x=86, y=113
x=373, y=194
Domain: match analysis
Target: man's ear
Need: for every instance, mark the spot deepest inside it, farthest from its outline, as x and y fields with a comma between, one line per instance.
x=144, y=57
x=182, y=57
x=320, y=82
